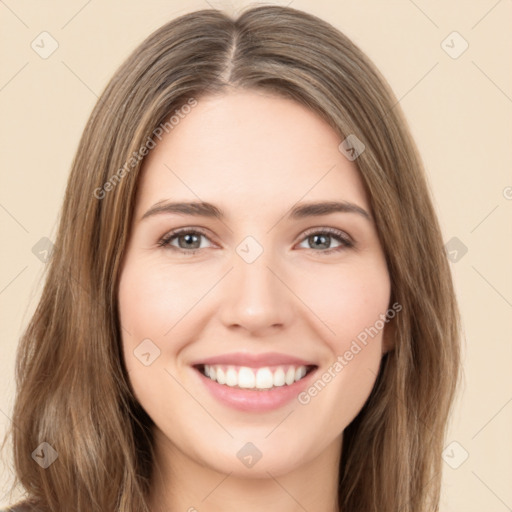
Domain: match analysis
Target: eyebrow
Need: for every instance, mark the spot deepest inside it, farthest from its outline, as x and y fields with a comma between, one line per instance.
x=300, y=211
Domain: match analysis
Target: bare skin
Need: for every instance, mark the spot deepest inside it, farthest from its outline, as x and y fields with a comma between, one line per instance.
x=254, y=156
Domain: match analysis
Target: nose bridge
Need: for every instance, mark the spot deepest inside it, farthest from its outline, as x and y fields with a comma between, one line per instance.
x=255, y=297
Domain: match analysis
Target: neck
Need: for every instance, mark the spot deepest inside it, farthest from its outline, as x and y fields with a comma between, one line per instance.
x=180, y=483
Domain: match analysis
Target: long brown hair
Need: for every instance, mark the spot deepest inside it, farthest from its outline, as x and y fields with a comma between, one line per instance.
x=73, y=391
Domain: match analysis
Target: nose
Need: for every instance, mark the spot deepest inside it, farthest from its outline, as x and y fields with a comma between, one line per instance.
x=255, y=296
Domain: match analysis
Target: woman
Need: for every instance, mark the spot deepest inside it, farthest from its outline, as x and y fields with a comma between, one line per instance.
x=304, y=354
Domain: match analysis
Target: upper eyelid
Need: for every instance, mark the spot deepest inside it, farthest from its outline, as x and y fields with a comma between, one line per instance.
x=331, y=231
x=179, y=231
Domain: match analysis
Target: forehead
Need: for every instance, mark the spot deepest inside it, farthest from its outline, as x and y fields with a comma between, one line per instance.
x=249, y=149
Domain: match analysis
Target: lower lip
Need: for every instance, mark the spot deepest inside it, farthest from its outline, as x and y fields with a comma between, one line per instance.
x=254, y=400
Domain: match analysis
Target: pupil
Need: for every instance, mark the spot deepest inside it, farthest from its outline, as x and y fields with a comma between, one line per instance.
x=319, y=237
x=189, y=238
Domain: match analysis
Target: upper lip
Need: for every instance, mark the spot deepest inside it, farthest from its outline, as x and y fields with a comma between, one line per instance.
x=254, y=360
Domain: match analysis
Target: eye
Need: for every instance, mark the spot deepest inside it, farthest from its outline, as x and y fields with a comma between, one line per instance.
x=189, y=240
x=322, y=239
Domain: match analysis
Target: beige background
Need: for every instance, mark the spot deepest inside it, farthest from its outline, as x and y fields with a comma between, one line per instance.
x=459, y=110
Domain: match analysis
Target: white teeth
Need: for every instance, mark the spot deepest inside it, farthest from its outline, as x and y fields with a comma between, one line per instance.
x=279, y=377
x=221, y=378
x=246, y=378
x=290, y=376
x=231, y=377
x=300, y=372
x=252, y=378
x=264, y=378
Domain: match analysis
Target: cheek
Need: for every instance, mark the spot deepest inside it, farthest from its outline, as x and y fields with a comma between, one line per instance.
x=348, y=300
x=158, y=306
x=352, y=303
x=150, y=304
x=153, y=298
x=151, y=301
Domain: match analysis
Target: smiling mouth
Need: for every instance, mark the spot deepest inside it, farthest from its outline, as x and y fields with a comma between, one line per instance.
x=258, y=379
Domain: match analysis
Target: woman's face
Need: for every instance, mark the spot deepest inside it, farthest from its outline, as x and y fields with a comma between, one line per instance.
x=259, y=284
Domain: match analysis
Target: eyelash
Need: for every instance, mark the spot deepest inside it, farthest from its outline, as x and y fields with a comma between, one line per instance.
x=346, y=242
